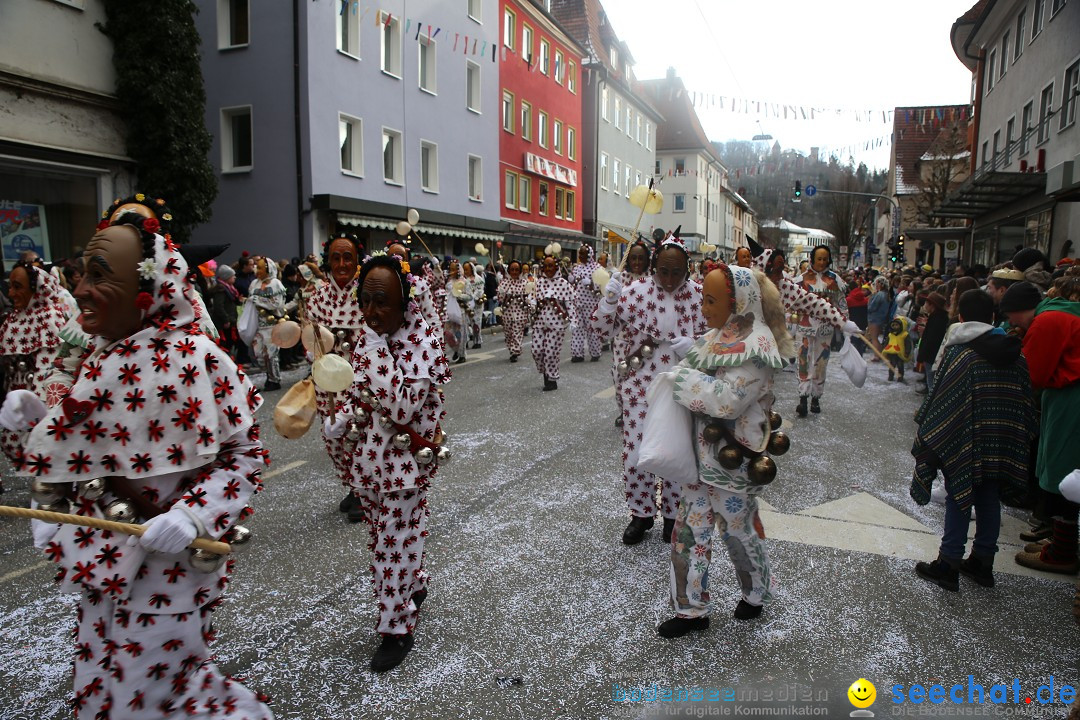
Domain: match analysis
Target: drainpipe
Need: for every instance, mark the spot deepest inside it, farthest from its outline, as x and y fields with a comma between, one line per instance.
x=298, y=135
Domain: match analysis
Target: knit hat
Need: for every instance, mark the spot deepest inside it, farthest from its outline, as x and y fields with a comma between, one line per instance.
x=937, y=299
x=1028, y=257
x=1019, y=297
x=224, y=272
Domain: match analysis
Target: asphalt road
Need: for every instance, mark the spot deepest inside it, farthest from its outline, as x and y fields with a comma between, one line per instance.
x=537, y=610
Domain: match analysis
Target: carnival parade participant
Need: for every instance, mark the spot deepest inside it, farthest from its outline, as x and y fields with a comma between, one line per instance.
x=174, y=442
x=813, y=336
x=394, y=409
x=604, y=319
x=586, y=297
x=514, y=301
x=29, y=338
x=334, y=305
x=268, y=294
x=456, y=334
x=423, y=296
x=726, y=381
x=744, y=257
x=473, y=304
x=553, y=301
x=661, y=316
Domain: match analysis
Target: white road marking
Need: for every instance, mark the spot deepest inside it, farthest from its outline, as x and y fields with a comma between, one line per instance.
x=19, y=573
x=284, y=469
x=608, y=392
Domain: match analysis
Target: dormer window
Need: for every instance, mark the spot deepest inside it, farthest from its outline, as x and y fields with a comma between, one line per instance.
x=615, y=57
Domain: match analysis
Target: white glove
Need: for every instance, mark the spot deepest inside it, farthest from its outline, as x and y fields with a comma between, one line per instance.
x=850, y=328
x=21, y=409
x=1070, y=486
x=613, y=289
x=681, y=345
x=43, y=531
x=170, y=532
x=334, y=430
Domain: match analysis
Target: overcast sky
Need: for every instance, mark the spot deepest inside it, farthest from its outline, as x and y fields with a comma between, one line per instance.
x=831, y=53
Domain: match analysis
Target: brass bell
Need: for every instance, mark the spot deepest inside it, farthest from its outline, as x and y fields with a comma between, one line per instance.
x=92, y=489
x=424, y=456
x=713, y=433
x=779, y=443
x=635, y=363
x=205, y=561
x=761, y=471
x=730, y=457
x=120, y=511
x=361, y=416
x=623, y=369
x=352, y=431
x=47, y=493
x=647, y=351
x=60, y=506
x=346, y=346
x=238, y=537
x=444, y=454
x=775, y=421
x=386, y=422
x=402, y=441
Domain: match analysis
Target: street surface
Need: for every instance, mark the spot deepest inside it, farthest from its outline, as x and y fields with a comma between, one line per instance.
x=536, y=608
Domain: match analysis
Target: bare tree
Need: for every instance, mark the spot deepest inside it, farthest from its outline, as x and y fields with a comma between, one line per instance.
x=943, y=167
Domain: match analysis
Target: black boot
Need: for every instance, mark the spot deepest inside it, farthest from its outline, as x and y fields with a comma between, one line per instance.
x=669, y=527
x=941, y=571
x=679, y=626
x=801, y=409
x=348, y=503
x=978, y=568
x=635, y=531
x=513, y=358
x=419, y=597
x=746, y=611
x=577, y=359
x=393, y=650
x=595, y=358
x=815, y=405
x=355, y=514
x=550, y=384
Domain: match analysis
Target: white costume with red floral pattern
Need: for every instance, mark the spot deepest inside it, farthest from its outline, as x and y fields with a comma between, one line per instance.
x=586, y=298
x=554, y=303
x=604, y=323
x=514, y=300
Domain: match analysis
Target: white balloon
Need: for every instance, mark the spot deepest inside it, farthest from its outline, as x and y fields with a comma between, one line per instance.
x=548, y=250
x=556, y=249
x=307, y=337
x=332, y=373
x=285, y=334
x=413, y=217
x=404, y=228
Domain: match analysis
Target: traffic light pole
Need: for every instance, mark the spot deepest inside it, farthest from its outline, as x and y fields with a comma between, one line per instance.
x=890, y=200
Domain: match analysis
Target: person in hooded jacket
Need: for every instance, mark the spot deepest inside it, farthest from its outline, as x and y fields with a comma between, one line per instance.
x=269, y=296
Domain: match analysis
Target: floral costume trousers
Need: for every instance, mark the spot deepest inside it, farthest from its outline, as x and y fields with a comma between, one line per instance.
x=582, y=334
x=704, y=511
x=140, y=666
x=547, y=348
x=813, y=363
x=267, y=353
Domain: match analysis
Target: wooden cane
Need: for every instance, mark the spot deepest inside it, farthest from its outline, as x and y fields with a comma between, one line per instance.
x=871, y=346
x=214, y=546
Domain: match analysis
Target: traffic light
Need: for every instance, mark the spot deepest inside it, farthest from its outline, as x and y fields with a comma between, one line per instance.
x=798, y=192
x=900, y=245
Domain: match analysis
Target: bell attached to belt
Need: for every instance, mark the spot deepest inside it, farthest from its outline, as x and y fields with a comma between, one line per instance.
x=761, y=470
x=779, y=443
x=402, y=441
x=120, y=511
x=713, y=433
x=352, y=431
x=424, y=456
x=635, y=363
x=361, y=416
x=386, y=422
x=238, y=537
x=730, y=457
x=92, y=489
x=205, y=561
x=444, y=454
x=775, y=421
x=647, y=351
x=47, y=494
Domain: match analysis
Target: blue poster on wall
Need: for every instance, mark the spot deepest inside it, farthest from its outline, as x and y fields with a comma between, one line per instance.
x=22, y=228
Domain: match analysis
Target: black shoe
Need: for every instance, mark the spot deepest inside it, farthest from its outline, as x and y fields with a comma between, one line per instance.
x=940, y=572
x=577, y=359
x=669, y=527
x=270, y=385
x=978, y=569
x=419, y=597
x=459, y=360
x=618, y=421
x=348, y=503
x=513, y=358
x=746, y=611
x=892, y=376
x=595, y=358
x=635, y=531
x=393, y=650
x=679, y=626
x=355, y=514
x=800, y=410
x=550, y=384
x=815, y=405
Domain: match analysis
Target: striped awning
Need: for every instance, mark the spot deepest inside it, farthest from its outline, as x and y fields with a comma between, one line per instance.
x=366, y=221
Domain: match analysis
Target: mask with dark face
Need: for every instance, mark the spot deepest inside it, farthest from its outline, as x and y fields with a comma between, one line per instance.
x=343, y=261
x=381, y=301
x=106, y=293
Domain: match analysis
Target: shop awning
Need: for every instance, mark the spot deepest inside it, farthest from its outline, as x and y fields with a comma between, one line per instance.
x=988, y=191
x=541, y=166
x=529, y=234
x=375, y=223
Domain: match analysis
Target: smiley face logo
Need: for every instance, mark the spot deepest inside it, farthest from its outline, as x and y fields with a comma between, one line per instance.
x=862, y=693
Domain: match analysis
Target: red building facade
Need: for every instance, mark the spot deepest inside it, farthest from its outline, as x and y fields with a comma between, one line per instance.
x=540, y=127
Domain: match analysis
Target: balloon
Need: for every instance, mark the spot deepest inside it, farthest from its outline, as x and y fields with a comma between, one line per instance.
x=650, y=200
x=285, y=334
x=404, y=228
x=556, y=249
x=548, y=250
x=482, y=249
x=706, y=248
x=332, y=373
x=307, y=337
x=413, y=217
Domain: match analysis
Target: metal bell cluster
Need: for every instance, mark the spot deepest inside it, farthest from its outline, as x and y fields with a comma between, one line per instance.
x=51, y=497
x=760, y=468
x=636, y=361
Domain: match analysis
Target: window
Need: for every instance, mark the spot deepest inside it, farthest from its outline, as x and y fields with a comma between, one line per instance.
x=1018, y=47
x=429, y=167
x=1004, y=54
x=1058, y=4
x=604, y=104
x=524, y=194
x=985, y=153
x=542, y=128
x=637, y=178
x=542, y=205
x=545, y=56
x=629, y=120
x=603, y=171
x=476, y=9
x=476, y=178
x=616, y=177
x=997, y=146
x=571, y=77
x=556, y=134
x=618, y=113
x=508, y=111
x=472, y=86
x=637, y=129
x=391, y=157
x=509, y=28
x=348, y=32
x=656, y=168
x=627, y=177
x=527, y=43
x=614, y=57
x=648, y=137
x=351, y=140
x=560, y=202
x=237, y=147
x=427, y=64
x=991, y=70
x=1068, y=100
x=570, y=210
x=1010, y=135
x=559, y=67
x=680, y=202
x=1037, y=18
x=234, y=24
x=680, y=166
x=1025, y=128
x=511, y=190
x=391, y=45
x=571, y=143
x=1046, y=107
x=526, y=121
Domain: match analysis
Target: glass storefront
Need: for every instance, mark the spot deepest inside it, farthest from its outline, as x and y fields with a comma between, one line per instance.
x=996, y=244
x=50, y=212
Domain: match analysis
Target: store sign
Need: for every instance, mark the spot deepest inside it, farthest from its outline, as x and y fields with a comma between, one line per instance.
x=540, y=166
x=952, y=249
x=22, y=228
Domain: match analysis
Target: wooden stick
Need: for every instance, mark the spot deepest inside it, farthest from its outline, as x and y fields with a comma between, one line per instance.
x=214, y=546
x=871, y=346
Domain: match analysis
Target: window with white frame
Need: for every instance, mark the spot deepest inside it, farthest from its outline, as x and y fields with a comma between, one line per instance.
x=613, y=56
x=542, y=128
x=618, y=113
x=472, y=86
x=648, y=136
x=510, y=188
x=571, y=143
x=476, y=10
x=603, y=171
x=1046, y=108
x=570, y=210
x=616, y=176
x=991, y=70
x=680, y=166
x=393, y=166
x=1038, y=18
x=679, y=200
x=427, y=64
x=560, y=201
x=637, y=178
x=604, y=104
x=559, y=63
x=234, y=24
x=996, y=147
x=347, y=24
x=986, y=153
x=524, y=198
x=476, y=178
x=637, y=128
x=1021, y=21
x=509, y=28
x=391, y=44
x=1057, y=5
x=1004, y=54
x=556, y=135
x=629, y=120
x=571, y=77
x=527, y=43
x=656, y=168
x=542, y=199
x=1010, y=136
x=628, y=178
x=1068, y=99
x=429, y=167
x=237, y=142
x=351, y=141
x=545, y=56
x=1026, y=128
x=526, y=121
x=508, y=111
